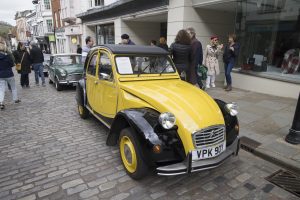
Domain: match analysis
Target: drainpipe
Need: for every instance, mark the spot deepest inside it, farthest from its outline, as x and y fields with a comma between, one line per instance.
x=294, y=135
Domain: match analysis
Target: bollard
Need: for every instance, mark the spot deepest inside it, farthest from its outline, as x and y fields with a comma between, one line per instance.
x=294, y=135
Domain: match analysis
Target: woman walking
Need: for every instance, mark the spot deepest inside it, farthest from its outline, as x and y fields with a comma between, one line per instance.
x=211, y=54
x=181, y=52
x=22, y=56
x=231, y=52
x=6, y=75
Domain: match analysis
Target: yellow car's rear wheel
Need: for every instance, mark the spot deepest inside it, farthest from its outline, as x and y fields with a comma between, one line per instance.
x=131, y=154
x=83, y=112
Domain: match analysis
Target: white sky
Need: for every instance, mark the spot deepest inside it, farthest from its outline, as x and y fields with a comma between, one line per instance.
x=8, y=9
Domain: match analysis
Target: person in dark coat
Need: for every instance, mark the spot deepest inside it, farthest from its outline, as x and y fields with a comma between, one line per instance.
x=231, y=52
x=6, y=75
x=37, y=59
x=79, y=49
x=197, y=58
x=163, y=43
x=181, y=52
x=22, y=56
x=126, y=40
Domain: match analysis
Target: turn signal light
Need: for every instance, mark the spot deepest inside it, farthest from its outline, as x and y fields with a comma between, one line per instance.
x=156, y=148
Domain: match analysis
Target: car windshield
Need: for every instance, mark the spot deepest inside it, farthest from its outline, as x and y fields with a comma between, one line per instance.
x=68, y=60
x=160, y=64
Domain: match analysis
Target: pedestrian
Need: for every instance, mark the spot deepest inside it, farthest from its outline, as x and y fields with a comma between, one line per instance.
x=79, y=49
x=163, y=43
x=89, y=43
x=231, y=52
x=6, y=75
x=126, y=40
x=181, y=52
x=153, y=43
x=22, y=56
x=37, y=59
x=197, y=58
x=211, y=55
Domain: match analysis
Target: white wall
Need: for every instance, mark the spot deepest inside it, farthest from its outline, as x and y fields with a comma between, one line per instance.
x=182, y=15
x=139, y=32
x=264, y=85
x=88, y=31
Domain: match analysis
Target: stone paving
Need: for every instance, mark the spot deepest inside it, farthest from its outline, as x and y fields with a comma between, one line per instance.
x=48, y=152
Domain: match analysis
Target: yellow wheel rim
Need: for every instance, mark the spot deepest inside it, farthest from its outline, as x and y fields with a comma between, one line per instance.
x=128, y=154
x=80, y=109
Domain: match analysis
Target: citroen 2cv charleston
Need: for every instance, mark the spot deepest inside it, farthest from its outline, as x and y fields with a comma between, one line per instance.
x=158, y=121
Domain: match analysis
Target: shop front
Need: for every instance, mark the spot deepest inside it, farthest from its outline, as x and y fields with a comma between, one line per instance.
x=269, y=34
x=105, y=34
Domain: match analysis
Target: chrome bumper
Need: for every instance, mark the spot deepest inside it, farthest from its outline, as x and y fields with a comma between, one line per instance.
x=189, y=166
x=67, y=82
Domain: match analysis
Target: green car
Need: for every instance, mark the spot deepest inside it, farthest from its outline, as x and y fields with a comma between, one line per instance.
x=65, y=69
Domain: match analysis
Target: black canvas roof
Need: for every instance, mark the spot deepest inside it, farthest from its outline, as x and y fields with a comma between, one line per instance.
x=134, y=49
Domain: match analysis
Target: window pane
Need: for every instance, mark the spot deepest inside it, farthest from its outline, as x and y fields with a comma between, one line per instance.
x=105, y=65
x=92, y=66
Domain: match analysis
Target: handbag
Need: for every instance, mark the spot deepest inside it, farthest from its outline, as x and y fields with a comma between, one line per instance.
x=202, y=72
x=18, y=65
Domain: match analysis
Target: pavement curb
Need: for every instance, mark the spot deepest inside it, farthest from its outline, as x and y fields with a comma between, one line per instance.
x=272, y=157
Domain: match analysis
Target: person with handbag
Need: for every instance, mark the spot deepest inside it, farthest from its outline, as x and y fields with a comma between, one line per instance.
x=6, y=75
x=23, y=65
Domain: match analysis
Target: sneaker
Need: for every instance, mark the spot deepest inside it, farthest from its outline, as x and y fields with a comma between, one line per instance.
x=2, y=106
x=17, y=101
x=207, y=86
x=213, y=85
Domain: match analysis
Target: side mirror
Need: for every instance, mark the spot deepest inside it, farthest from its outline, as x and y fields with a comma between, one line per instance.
x=104, y=76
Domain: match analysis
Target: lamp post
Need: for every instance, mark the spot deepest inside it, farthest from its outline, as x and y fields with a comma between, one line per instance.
x=294, y=134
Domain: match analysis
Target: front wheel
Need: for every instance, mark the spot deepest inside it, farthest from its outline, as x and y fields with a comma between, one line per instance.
x=57, y=85
x=131, y=154
x=83, y=112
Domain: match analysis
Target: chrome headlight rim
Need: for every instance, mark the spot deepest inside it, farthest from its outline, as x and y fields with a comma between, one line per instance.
x=62, y=72
x=167, y=120
x=232, y=108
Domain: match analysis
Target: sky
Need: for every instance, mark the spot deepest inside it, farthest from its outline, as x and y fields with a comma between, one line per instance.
x=8, y=9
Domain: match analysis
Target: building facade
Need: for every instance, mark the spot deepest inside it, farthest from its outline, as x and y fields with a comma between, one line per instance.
x=22, y=34
x=44, y=22
x=267, y=30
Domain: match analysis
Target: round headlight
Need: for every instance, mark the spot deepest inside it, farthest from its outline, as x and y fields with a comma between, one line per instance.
x=62, y=72
x=167, y=120
x=231, y=108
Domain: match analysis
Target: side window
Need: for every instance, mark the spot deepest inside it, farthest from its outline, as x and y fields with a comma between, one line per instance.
x=105, y=68
x=92, y=66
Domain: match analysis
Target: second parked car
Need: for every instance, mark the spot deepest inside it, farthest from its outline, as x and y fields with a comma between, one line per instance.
x=65, y=69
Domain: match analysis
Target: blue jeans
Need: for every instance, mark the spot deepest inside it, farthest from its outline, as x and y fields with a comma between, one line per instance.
x=38, y=71
x=228, y=69
x=11, y=82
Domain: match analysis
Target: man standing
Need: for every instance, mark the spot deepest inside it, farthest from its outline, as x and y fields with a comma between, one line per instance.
x=85, y=50
x=126, y=40
x=197, y=58
x=37, y=59
x=79, y=49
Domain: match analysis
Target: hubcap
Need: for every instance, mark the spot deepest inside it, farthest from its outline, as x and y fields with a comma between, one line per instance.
x=80, y=109
x=128, y=154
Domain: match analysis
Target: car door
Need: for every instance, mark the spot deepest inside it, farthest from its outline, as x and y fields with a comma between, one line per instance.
x=105, y=89
x=91, y=80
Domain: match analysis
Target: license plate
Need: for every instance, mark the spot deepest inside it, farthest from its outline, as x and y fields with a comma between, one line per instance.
x=208, y=152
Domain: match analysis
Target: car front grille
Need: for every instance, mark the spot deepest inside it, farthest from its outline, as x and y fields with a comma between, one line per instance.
x=209, y=136
x=74, y=77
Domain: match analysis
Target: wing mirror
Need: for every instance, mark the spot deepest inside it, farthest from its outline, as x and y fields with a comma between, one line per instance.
x=104, y=76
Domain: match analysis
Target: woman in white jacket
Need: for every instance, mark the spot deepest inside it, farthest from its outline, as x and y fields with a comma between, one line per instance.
x=211, y=54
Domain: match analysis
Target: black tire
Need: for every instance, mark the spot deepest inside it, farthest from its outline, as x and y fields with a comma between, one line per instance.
x=139, y=170
x=57, y=85
x=50, y=81
x=83, y=112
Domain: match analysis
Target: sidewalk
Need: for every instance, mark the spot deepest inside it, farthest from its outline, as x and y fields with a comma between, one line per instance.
x=265, y=119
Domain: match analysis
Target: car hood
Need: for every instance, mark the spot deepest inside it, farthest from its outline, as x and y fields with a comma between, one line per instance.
x=72, y=69
x=193, y=108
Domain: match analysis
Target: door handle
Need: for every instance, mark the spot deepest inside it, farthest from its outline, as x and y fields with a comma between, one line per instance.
x=96, y=82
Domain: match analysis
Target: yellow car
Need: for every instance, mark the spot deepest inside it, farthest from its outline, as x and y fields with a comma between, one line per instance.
x=158, y=121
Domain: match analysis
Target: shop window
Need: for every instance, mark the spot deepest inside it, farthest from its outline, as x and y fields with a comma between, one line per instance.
x=99, y=2
x=105, y=34
x=269, y=34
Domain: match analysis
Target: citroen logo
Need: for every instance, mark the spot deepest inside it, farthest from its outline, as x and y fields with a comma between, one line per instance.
x=212, y=134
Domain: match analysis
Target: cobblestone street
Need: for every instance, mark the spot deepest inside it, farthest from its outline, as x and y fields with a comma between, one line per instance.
x=48, y=152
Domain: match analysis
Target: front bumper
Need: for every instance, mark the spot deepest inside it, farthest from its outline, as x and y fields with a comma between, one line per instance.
x=189, y=166
x=64, y=82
